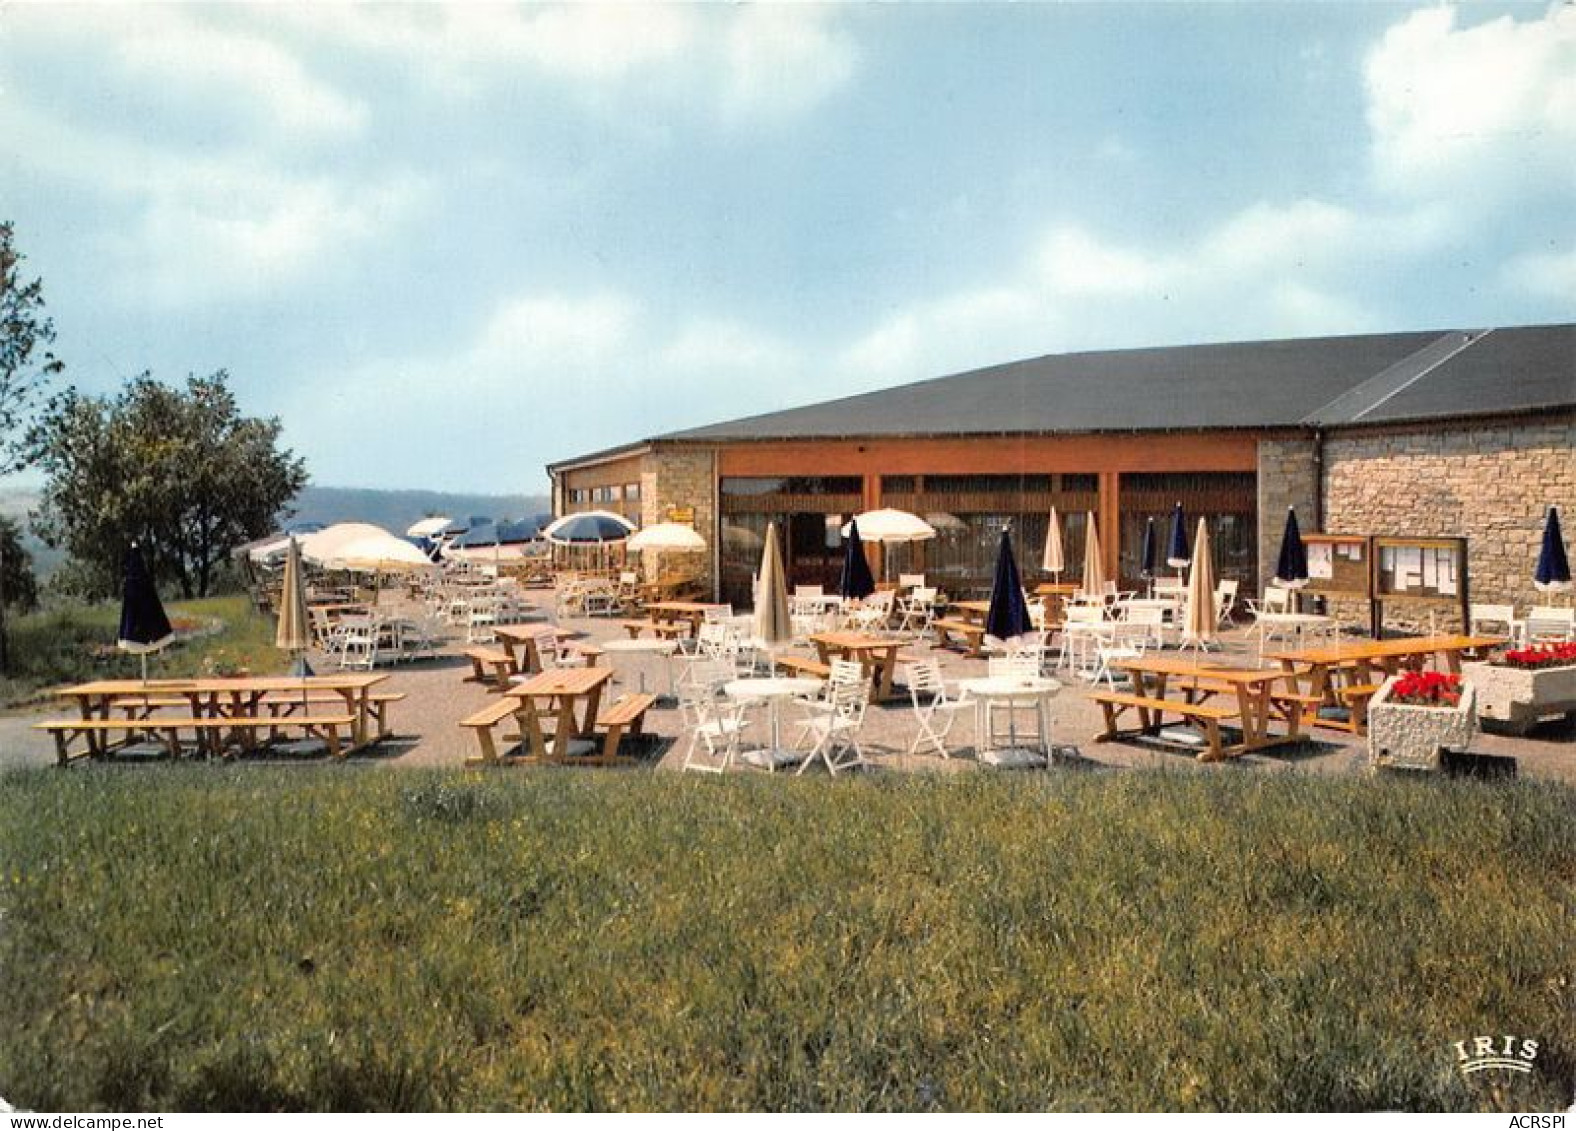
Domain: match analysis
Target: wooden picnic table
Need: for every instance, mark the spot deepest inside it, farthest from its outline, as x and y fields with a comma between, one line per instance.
x=237, y=697
x=520, y=640
x=1056, y=594
x=876, y=654
x=691, y=612
x=564, y=689
x=1369, y=661
x=974, y=612
x=1251, y=689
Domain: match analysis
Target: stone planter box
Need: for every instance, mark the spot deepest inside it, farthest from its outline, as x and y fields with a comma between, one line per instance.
x=1516, y=699
x=1407, y=737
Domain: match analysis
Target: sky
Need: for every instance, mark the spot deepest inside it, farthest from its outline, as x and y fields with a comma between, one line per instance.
x=447, y=245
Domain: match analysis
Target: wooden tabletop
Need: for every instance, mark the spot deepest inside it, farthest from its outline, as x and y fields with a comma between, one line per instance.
x=1055, y=589
x=1387, y=649
x=356, y=681
x=1175, y=665
x=682, y=606
x=563, y=681
x=980, y=607
x=524, y=632
x=854, y=641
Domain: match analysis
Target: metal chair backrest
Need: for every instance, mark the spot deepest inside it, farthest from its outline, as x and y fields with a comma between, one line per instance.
x=910, y=580
x=924, y=678
x=846, y=672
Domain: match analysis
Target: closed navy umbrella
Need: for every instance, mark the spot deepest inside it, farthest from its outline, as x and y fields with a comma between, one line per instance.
x=1147, y=566
x=1008, y=615
x=1177, y=556
x=1291, y=568
x=143, y=626
x=1554, y=568
x=856, y=582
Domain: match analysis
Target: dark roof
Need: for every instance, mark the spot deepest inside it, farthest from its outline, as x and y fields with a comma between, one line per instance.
x=1304, y=381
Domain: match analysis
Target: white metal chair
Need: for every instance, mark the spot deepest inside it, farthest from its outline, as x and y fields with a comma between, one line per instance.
x=358, y=643
x=908, y=581
x=1225, y=601
x=834, y=724
x=1484, y=617
x=713, y=724
x=935, y=709
x=917, y=610
x=1547, y=625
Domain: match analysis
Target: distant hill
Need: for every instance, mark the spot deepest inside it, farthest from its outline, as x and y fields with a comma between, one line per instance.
x=392, y=510
x=396, y=510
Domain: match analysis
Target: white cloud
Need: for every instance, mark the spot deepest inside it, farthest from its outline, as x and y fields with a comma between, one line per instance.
x=748, y=61
x=1487, y=111
x=781, y=59
x=541, y=376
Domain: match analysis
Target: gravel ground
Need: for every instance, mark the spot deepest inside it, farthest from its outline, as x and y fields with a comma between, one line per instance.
x=438, y=695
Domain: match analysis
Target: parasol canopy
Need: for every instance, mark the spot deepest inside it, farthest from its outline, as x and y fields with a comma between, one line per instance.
x=1051, y=560
x=888, y=525
x=1291, y=567
x=672, y=536
x=427, y=527
x=1094, y=564
x=1177, y=555
x=1007, y=619
x=322, y=546
x=772, y=623
x=588, y=528
x=1147, y=566
x=1198, y=626
x=1554, y=568
x=144, y=627
x=378, y=553
x=856, y=582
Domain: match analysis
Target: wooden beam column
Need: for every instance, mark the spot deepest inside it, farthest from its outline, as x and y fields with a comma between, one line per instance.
x=1110, y=520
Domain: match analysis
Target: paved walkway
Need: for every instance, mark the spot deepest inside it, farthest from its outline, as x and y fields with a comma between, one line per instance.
x=438, y=696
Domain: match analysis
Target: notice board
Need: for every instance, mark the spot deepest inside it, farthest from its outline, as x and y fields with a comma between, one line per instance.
x=1420, y=571
x=1338, y=566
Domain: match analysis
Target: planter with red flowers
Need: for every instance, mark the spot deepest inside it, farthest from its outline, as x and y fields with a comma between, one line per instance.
x=1416, y=715
x=1525, y=685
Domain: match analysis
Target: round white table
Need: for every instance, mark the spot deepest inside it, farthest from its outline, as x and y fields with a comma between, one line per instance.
x=772, y=691
x=644, y=646
x=1012, y=691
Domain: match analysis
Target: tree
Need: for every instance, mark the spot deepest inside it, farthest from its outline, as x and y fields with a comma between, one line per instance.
x=25, y=365
x=180, y=471
x=25, y=336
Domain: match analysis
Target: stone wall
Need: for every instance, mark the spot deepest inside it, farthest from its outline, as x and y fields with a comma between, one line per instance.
x=1491, y=482
x=683, y=477
x=1288, y=473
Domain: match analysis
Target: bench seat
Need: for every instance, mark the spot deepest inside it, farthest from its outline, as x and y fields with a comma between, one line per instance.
x=971, y=634
x=170, y=726
x=626, y=715
x=1151, y=711
x=804, y=665
x=489, y=666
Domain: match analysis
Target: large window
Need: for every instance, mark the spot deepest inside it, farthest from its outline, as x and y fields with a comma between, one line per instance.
x=1228, y=502
x=809, y=512
x=969, y=513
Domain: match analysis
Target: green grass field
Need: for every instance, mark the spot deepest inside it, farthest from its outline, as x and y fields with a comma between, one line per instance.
x=76, y=643
x=195, y=937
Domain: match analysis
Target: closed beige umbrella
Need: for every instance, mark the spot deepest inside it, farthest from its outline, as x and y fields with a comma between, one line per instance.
x=1198, y=627
x=294, y=632
x=772, y=623
x=1051, y=561
x=1094, y=568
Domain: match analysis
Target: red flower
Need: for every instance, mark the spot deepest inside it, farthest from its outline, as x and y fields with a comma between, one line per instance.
x=1427, y=689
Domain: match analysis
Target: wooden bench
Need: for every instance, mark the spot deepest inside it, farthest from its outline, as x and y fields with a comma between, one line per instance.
x=804, y=666
x=972, y=635
x=482, y=722
x=1356, y=699
x=1151, y=711
x=664, y=629
x=169, y=727
x=281, y=704
x=626, y=715
x=490, y=667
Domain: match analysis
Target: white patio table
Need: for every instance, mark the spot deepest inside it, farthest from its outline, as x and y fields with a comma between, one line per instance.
x=773, y=691
x=1013, y=692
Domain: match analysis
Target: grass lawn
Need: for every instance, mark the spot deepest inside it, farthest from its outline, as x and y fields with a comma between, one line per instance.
x=195, y=937
x=76, y=643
